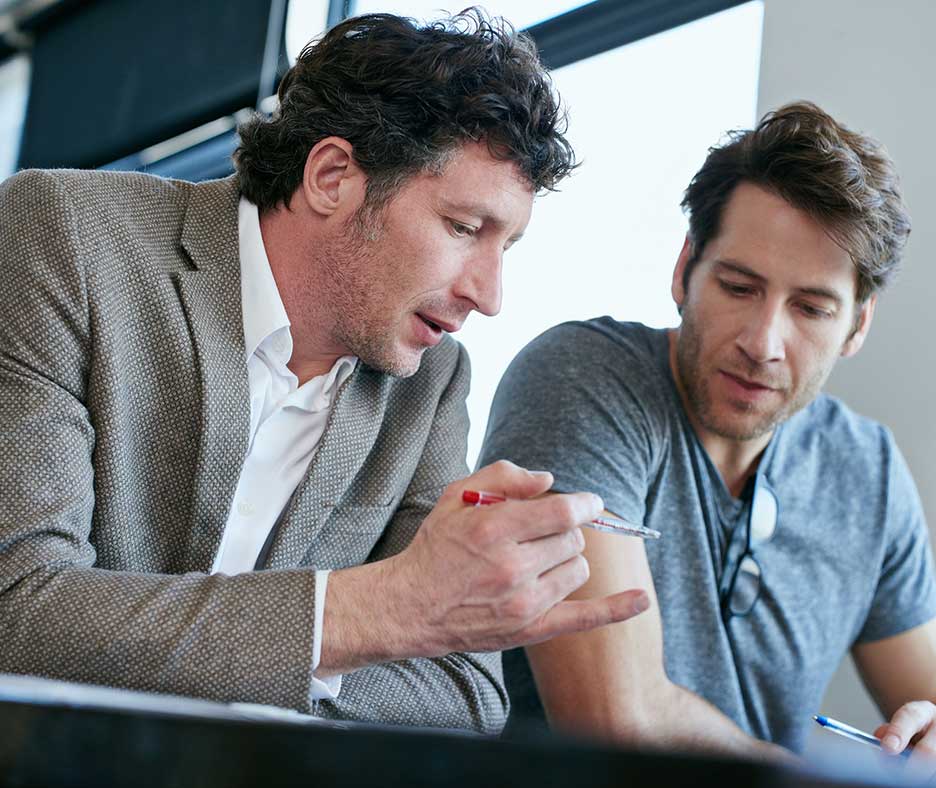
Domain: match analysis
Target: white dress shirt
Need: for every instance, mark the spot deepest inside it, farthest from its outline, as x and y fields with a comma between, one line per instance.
x=286, y=424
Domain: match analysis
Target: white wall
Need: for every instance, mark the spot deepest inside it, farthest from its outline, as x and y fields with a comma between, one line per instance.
x=871, y=64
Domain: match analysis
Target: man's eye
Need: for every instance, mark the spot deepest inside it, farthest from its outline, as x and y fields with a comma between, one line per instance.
x=462, y=230
x=732, y=288
x=814, y=312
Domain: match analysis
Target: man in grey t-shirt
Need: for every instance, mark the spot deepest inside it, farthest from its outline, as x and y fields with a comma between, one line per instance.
x=792, y=531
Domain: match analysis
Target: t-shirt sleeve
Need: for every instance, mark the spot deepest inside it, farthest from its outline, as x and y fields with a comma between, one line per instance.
x=578, y=402
x=906, y=592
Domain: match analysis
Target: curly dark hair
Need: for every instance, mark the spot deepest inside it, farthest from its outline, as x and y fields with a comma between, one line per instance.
x=844, y=180
x=406, y=97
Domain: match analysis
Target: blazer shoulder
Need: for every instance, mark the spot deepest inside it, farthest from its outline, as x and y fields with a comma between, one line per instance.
x=92, y=183
x=96, y=202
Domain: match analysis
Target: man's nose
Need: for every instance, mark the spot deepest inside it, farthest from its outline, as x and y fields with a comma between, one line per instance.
x=481, y=281
x=763, y=337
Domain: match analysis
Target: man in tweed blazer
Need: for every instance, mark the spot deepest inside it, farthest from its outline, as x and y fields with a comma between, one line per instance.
x=130, y=418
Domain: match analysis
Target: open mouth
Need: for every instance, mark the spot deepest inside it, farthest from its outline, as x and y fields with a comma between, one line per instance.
x=428, y=322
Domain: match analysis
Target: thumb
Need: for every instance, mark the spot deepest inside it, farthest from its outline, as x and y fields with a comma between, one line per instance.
x=890, y=740
x=584, y=614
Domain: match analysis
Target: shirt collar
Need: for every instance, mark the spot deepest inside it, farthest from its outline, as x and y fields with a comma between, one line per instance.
x=263, y=309
x=338, y=374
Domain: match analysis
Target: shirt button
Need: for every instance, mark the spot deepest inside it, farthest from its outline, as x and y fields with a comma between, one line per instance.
x=244, y=509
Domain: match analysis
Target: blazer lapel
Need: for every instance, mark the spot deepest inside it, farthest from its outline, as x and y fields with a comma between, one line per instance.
x=211, y=299
x=349, y=436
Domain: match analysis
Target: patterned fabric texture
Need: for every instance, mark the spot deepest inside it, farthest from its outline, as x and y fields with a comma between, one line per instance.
x=124, y=411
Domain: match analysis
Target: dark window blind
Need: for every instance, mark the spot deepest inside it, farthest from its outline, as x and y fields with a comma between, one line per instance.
x=112, y=77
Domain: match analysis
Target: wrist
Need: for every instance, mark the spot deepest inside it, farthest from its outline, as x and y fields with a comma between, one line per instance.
x=365, y=621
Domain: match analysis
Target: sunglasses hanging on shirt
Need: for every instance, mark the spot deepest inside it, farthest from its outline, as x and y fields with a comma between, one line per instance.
x=742, y=575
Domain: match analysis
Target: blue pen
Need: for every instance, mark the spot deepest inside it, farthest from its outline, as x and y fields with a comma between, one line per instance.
x=846, y=730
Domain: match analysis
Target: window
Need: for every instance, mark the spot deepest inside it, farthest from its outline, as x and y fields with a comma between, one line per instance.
x=305, y=20
x=14, y=89
x=641, y=119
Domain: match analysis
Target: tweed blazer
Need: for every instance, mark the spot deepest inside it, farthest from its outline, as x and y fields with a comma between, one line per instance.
x=124, y=417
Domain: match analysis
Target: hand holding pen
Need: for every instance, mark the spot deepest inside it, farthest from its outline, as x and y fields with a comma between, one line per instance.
x=487, y=578
x=884, y=738
x=913, y=722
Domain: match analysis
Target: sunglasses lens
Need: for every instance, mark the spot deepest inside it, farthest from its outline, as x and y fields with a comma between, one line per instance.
x=763, y=515
x=746, y=587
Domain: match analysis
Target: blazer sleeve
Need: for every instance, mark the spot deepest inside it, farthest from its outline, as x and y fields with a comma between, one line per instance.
x=459, y=690
x=244, y=638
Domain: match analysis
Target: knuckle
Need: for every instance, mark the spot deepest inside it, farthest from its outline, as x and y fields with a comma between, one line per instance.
x=485, y=531
x=523, y=568
x=521, y=607
x=507, y=575
x=570, y=577
x=918, y=709
x=563, y=509
x=591, y=617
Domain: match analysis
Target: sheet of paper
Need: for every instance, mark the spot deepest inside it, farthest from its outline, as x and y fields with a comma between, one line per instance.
x=30, y=689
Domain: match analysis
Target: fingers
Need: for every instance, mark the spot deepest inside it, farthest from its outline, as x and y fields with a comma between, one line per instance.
x=522, y=521
x=539, y=556
x=890, y=742
x=554, y=514
x=908, y=721
x=518, y=518
x=554, y=615
x=579, y=615
x=509, y=480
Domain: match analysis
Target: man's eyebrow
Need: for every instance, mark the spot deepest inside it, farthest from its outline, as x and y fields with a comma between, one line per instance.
x=819, y=292
x=822, y=292
x=738, y=268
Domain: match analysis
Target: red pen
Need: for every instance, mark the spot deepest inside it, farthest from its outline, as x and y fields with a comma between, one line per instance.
x=611, y=525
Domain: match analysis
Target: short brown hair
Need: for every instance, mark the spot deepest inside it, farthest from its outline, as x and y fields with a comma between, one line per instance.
x=844, y=180
x=406, y=97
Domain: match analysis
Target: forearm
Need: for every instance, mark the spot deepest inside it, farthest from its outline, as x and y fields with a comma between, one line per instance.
x=682, y=720
x=899, y=669
x=612, y=683
x=246, y=638
x=644, y=709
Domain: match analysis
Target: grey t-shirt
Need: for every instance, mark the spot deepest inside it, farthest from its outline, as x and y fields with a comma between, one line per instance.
x=595, y=403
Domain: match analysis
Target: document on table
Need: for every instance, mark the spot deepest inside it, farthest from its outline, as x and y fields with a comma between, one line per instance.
x=48, y=692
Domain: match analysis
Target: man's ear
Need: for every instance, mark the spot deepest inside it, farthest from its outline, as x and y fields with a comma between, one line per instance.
x=332, y=179
x=860, y=331
x=677, y=288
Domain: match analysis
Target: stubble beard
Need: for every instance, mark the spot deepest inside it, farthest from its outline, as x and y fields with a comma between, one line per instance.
x=695, y=383
x=356, y=295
